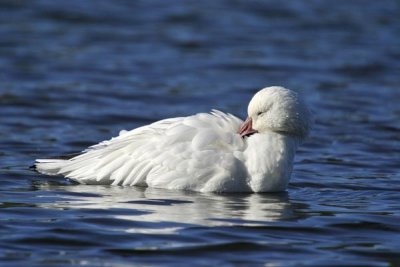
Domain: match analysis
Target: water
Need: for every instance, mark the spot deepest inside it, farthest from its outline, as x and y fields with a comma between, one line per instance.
x=74, y=73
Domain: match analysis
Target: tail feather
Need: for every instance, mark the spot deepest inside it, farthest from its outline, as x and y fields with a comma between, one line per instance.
x=49, y=166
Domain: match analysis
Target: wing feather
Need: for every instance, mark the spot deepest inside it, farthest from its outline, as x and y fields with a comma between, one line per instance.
x=178, y=153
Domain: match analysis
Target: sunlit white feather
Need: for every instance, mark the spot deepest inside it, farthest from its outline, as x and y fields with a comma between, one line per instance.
x=202, y=152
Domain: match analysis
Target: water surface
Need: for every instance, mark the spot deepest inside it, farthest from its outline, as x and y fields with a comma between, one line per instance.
x=75, y=73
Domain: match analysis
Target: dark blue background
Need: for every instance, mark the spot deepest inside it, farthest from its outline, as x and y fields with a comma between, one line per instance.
x=73, y=73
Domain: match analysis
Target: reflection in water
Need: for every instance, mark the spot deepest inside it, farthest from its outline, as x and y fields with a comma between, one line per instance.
x=158, y=205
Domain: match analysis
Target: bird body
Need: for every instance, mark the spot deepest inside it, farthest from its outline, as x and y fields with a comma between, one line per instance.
x=208, y=152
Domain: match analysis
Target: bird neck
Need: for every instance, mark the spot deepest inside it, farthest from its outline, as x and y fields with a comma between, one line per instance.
x=269, y=161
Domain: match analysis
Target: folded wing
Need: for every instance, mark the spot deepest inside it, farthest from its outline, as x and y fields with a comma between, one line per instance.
x=200, y=152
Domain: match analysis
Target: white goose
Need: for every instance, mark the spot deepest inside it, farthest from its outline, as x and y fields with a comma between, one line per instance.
x=208, y=152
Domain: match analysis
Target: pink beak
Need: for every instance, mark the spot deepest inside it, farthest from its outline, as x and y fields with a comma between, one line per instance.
x=246, y=129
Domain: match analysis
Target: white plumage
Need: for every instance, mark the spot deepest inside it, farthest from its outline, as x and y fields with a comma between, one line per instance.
x=209, y=152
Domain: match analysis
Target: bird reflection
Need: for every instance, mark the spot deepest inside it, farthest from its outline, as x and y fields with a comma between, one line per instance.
x=159, y=205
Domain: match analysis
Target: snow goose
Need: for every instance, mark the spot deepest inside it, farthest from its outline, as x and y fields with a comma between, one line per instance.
x=207, y=152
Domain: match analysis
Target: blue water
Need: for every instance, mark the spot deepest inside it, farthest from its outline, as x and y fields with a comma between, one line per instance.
x=74, y=73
